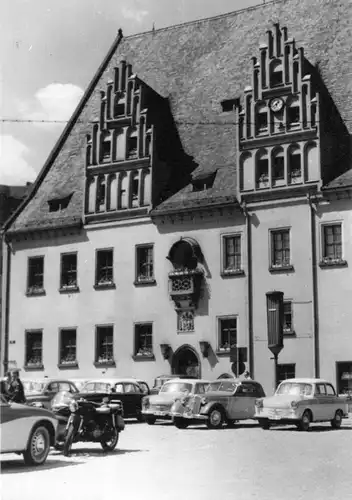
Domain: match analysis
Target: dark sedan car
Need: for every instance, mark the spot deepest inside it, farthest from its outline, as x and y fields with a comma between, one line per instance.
x=41, y=392
x=128, y=391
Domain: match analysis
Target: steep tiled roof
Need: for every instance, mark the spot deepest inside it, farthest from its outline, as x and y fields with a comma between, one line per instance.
x=197, y=65
x=343, y=181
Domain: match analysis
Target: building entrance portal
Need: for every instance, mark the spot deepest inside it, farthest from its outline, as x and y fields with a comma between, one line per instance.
x=186, y=362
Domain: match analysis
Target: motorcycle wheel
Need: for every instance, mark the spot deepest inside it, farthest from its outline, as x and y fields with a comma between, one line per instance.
x=69, y=440
x=111, y=444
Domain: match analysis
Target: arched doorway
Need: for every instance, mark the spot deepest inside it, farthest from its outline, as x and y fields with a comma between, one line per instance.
x=185, y=361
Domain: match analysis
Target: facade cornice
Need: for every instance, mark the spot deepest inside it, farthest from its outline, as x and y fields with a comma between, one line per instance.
x=188, y=214
x=41, y=233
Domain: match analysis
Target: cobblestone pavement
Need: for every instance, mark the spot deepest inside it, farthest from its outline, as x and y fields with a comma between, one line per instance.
x=161, y=462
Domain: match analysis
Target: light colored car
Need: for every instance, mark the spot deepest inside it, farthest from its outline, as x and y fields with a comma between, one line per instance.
x=158, y=406
x=28, y=430
x=41, y=392
x=225, y=401
x=301, y=401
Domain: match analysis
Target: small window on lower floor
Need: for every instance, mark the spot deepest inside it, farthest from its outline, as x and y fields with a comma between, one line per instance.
x=68, y=347
x=288, y=317
x=143, y=339
x=34, y=349
x=286, y=371
x=227, y=333
x=104, y=344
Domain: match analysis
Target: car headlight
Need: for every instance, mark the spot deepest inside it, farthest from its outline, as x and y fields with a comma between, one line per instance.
x=73, y=406
x=203, y=401
x=37, y=404
x=294, y=405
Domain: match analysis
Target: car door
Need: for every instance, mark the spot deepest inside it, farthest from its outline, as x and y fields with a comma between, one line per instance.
x=320, y=411
x=331, y=401
x=243, y=402
x=133, y=397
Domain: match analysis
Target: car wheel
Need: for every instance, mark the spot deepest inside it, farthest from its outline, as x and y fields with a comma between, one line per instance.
x=110, y=445
x=150, y=420
x=264, y=424
x=215, y=418
x=181, y=423
x=337, y=420
x=304, y=424
x=38, y=447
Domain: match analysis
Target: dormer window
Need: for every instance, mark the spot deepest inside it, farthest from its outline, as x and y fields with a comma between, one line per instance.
x=57, y=204
x=276, y=74
x=204, y=182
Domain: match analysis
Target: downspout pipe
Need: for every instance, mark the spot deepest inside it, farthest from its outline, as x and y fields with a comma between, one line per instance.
x=312, y=206
x=249, y=289
x=5, y=306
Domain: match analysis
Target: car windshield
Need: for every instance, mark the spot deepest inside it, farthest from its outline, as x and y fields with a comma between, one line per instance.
x=33, y=386
x=295, y=389
x=62, y=398
x=222, y=386
x=158, y=382
x=176, y=387
x=96, y=387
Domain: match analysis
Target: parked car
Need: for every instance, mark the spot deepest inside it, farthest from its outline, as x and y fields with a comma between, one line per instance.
x=79, y=382
x=158, y=406
x=161, y=379
x=224, y=401
x=41, y=392
x=28, y=431
x=126, y=390
x=301, y=401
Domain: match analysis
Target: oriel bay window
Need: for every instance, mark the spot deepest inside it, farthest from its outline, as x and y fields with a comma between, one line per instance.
x=34, y=349
x=280, y=249
x=35, y=282
x=68, y=271
x=104, y=275
x=227, y=333
x=232, y=261
x=143, y=340
x=104, y=349
x=68, y=347
x=145, y=264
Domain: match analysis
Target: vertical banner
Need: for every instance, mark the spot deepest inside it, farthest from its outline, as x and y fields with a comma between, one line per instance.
x=275, y=321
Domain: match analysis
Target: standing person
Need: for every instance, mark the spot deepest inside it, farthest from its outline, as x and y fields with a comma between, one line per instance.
x=15, y=390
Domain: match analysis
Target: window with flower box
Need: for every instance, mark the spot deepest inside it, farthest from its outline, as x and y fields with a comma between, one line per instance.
x=143, y=340
x=68, y=279
x=104, y=352
x=34, y=349
x=104, y=274
x=232, y=254
x=35, y=282
x=68, y=347
x=144, y=264
x=332, y=245
x=227, y=334
x=280, y=250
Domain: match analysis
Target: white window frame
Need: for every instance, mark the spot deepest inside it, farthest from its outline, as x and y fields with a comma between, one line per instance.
x=292, y=330
x=219, y=319
x=273, y=230
x=224, y=236
x=323, y=225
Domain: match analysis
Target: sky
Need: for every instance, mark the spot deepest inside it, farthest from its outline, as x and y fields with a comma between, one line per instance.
x=50, y=51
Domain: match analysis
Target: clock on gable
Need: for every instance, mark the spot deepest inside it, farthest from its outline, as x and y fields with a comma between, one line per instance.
x=276, y=104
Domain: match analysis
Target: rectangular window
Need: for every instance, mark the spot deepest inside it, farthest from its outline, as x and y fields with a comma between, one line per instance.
x=227, y=333
x=104, y=344
x=104, y=268
x=143, y=339
x=286, y=371
x=34, y=349
x=68, y=270
x=35, y=275
x=280, y=248
x=68, y=347
x=145, y=264
x=332, y=245
x=232, y=253
x=288, y=317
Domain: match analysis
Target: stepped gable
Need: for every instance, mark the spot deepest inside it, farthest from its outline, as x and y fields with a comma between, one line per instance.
x=196, y=66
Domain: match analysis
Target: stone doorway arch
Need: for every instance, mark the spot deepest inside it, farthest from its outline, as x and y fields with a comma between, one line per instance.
x=185, y=361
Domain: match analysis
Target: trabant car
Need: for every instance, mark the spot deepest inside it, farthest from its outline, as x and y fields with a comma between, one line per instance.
x=225, y=401
x=41, y=392
x=301, y=401
x=26, y=430
x=158, y=406
x=126, y=390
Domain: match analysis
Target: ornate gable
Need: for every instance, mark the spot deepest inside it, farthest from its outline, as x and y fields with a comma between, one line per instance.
x=119, y=150
x=278, y=133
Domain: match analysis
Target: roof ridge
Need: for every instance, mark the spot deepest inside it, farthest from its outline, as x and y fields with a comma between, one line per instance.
x=198, y=21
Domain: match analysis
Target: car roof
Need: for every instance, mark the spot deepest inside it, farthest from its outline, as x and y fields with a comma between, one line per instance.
x=113, y=381
x=188, y=380
x=46, y=380
x=307, y=380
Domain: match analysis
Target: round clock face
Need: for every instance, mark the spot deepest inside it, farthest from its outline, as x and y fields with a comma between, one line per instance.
x=276, y=104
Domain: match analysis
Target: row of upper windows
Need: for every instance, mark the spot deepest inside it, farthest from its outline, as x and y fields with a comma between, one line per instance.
x=280, y=257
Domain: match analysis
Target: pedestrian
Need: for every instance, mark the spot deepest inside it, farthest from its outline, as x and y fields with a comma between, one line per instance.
x=247, y=375
x=16, y=390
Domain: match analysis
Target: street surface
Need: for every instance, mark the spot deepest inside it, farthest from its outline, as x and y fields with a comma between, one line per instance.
x=161, y=462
